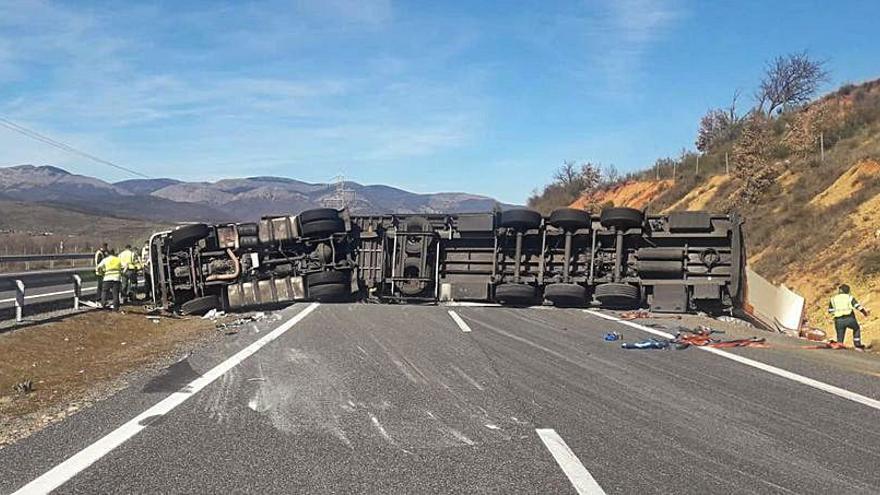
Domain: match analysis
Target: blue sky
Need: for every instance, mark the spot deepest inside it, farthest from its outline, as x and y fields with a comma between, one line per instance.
x=484, y=97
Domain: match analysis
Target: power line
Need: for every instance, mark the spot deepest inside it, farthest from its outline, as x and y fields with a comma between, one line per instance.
x=64, y=147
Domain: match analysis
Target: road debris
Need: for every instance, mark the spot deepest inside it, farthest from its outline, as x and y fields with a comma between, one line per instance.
x=734, y=320
x=812, y=333
x=612, y=336
x=24, y=387
x=233, y=327
x=837, y=346
x=647, y=344
x=641, y=314
x=214, y=314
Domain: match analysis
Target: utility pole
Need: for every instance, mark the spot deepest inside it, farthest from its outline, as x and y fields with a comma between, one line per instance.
x=674, y=165
x=727, y=163
x=341, y=196
x=698, y=164
x=822, y=147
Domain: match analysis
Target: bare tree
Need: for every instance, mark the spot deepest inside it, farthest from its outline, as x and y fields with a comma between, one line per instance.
x=567, y=173
x=591, y=176
x=718, y=125
x=790, y=80
x=752, y=156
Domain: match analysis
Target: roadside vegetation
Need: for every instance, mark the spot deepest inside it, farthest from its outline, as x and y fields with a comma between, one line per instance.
x=803, y=172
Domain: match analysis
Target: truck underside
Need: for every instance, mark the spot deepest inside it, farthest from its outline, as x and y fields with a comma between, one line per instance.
x=621, y=258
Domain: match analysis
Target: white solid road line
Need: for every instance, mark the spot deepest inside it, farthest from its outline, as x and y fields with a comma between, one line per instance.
x=580, y=478
x=49, y=294
x=831, y=389
x=63, y=472
x=458, y=321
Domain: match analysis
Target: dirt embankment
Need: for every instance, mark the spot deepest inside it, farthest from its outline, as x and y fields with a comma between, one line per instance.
x=633, y=194
x=80, y=359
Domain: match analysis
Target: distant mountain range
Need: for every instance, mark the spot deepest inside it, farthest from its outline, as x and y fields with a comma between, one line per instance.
x=223, y=200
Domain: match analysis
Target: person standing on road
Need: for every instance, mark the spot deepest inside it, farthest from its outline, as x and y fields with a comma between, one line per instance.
x=842, y=307
x=110, y=272
x=100, y=254
x=129, y=261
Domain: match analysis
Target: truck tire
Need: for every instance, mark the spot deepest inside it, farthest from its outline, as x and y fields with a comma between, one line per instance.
x=187, y=236
x=318, y=214
x=411, y=267
x=621, y=218
x=569, y=219
x=323, y=228
x=521, y=219
x=200, y=305
x=515, y=294
x=249, y=229
x=330, y=292
x=617, y=295
x=248, y=241
x=413, y=244
x=328, y=277
x=566, y=295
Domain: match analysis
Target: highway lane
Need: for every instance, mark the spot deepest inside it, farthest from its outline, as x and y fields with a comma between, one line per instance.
x=398, y=399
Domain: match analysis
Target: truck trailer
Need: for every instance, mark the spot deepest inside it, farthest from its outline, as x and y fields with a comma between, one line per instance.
x=619, y=258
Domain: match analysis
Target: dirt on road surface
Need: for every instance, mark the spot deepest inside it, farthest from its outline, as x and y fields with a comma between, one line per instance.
x=74, y=361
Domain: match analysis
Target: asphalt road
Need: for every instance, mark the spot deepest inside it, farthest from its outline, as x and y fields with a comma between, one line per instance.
x=400, y=399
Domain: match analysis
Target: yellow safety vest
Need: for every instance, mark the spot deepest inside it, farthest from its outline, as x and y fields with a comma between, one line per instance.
x=111, y=267
x=842, y=305
x=129, y=260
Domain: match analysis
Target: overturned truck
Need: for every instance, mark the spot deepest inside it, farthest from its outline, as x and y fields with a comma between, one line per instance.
x=621, y=258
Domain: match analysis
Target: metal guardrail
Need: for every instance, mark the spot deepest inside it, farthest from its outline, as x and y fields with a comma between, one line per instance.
x=20, y=258
x=20, y=281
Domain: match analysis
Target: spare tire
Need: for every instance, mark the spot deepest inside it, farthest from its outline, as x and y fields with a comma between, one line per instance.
x=330, y=292
x=187, y=236
x=618, y=295
x=412, y=268
x=569, y=219
x=200, y=305
x=515, y=294
x=318, y=214
x=566, y=295
x=323, y=228
x=328, y=277
x=621, y=218
x=521, y=219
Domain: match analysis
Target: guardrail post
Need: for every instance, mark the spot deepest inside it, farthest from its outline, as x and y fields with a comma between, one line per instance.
x=77, y=290
x=19, y=299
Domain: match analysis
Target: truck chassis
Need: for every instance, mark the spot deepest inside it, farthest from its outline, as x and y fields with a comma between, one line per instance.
x=621, y=258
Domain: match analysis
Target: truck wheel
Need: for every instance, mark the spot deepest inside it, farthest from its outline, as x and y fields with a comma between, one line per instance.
x=521, y=219
x=318, y=214
x=566, y=295
x=621, y=218
x=186, y=236
x=515, y=294
x=329, y=286
x=200, y=305
x=570, y=219
x=328, y=277
x=411, y=268
x=413, y=244
x=617, y=295
x=323, y=228
x=330, y=292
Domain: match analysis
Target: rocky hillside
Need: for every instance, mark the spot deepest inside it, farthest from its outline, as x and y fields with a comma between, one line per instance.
x=169, y=200
x=815, y=223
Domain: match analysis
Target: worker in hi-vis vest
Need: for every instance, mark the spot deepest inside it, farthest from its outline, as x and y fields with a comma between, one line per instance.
x=130, y=267
x=842, y=307
x=110, y=272
x=100, y=254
